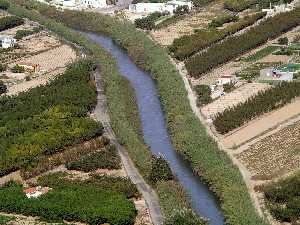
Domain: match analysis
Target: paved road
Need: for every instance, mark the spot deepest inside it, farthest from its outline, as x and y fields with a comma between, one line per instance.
x=147, y=192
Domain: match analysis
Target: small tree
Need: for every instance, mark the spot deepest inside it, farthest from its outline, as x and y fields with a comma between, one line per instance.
x=18, y=69
x=203, y=94
x=3, y=88
x=160, y=170
x=283, y=41
x=181, y=10
x=146, y=23
x=2, y=67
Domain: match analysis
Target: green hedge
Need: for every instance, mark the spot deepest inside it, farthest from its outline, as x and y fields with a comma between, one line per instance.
x=237, y=45
x=188, y=45
x=47, y=118
x=71, y=202
x=188, y=135
x=8, y=22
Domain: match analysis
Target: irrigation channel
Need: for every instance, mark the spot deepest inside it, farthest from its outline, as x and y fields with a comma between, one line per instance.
x=156, y=135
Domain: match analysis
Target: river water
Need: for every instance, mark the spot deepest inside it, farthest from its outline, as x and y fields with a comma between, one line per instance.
x=156, y=135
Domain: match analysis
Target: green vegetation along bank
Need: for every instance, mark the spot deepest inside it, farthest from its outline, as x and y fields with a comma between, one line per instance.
x=125, y=120
x=47, y=118
x=188, y=134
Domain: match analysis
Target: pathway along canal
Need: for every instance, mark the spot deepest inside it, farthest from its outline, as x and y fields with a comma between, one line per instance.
x=156, y=135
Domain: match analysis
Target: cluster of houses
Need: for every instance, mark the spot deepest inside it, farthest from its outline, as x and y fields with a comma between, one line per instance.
x=77, y=4
x=166, y=7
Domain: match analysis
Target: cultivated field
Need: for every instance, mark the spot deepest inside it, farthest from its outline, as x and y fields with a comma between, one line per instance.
x=274, y=155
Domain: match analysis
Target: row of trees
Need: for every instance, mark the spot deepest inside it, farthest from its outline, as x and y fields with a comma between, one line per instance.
x=240, y=5
x=46, y=118
x=237, y=45
x=264, y=101
x=186, y=46
x=8, y=22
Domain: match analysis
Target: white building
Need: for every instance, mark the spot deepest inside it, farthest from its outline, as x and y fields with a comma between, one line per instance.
x=159, y=7
x=226, y=79
x=35, y=192
x=7, y=42
x=278, y=9
x=93, y=3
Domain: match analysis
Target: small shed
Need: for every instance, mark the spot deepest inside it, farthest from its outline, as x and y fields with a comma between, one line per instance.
x=35, y=192
x=226, y=79
x=7, y=41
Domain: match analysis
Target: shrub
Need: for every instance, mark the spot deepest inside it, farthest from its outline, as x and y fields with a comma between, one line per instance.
x=160, y=170
x=237, y=45
x=221, y=20
x=186, y=217
x=181, y=10
x=148, y=22
x=4, y=4
x=229, y=87
x=264, y=101
x=203, y=93
x=18, y=69
x=23, y=33
x=283, y=41
x=3, y=88
x=106, y=158
x=282, y=198
x=2, y=67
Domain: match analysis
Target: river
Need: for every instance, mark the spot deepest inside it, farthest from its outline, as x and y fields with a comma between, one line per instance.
x=156, y=134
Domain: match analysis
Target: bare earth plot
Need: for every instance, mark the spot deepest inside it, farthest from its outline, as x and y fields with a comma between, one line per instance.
x=274, y=155
x=261, y=125
x=239, y=95
x=186, y=26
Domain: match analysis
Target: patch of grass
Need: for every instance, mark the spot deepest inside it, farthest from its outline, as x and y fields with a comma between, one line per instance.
x=261, y=54
x=5, y=219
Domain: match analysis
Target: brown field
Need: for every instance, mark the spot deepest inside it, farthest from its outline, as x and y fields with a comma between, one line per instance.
x=274, y=155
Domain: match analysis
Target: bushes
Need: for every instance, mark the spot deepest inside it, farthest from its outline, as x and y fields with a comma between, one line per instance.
x=282, y=199
x=71, y=202
x=255, y=106
x=10, y=22
x=187, y=46
x=23, y=33
x=203, y=93
x=47, y=118
x=18, y=69
x=4, y=4
x=3, y=67
x=106, y=158
x=238, y=5
x=148, y=22
x=181, y=10
x=160, y=170
x=234, y=46
x=221, y=20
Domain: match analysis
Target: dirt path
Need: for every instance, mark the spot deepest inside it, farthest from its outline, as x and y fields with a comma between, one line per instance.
x=245, y=173
x=147, y=192
x=264, y=123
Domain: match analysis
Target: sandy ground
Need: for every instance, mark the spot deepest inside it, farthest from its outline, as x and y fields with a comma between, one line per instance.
x=261, y=125
x=241, y=94
x=187, y=25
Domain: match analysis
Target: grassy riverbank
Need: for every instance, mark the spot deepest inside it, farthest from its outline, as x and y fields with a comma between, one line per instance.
x=187, y=133
x=125, y=120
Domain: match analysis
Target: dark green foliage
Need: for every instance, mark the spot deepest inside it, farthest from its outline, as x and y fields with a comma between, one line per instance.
x=2, y=67
x=261, y=53
x=160, y=170
x=148, y=22
x=283, y=200
x=4, y=4
x=107, y=158
x=240, y=5
x=8, y=22
x=3, y=88
x=188, y=45
x=221, y=20
x=5, y=219
x=46, y=118
x=283, y=41
x=228, y=87
x=237, y=45
x=18, y=69
x=23, y=33
x=263, y=102
x=181, y=10
x=71, y=202
x=284, y=51
x=117, y=184
x=203, y=93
